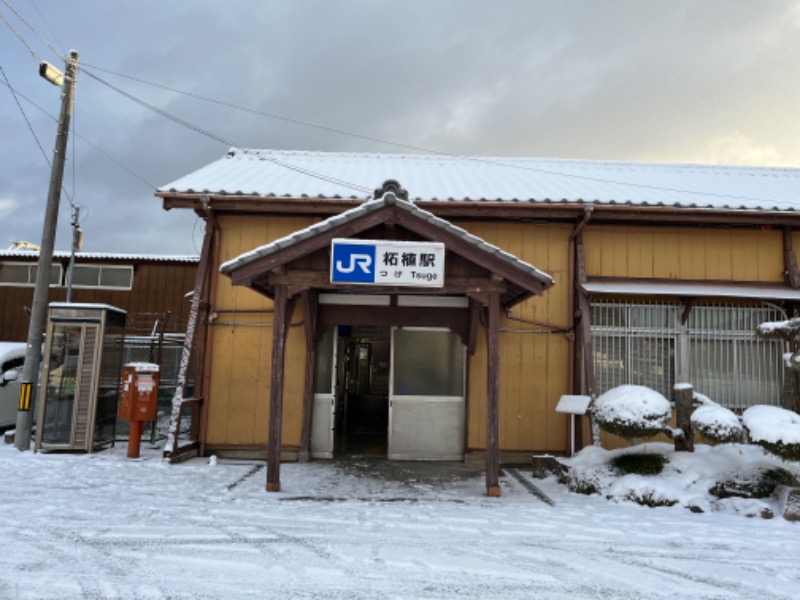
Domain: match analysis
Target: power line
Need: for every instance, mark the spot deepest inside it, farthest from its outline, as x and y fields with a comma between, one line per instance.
x=21, y=39
x=46, y=24
x=33, y=29
x=83, y=139
x=487, y=161
x=24, y=116
x=217, y=138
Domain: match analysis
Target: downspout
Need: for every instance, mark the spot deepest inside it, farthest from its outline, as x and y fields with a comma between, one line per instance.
x=574, y=379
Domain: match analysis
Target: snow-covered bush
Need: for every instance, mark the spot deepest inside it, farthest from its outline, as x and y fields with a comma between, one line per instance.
x=717, y=423
x=775, y=429
x=632, y=411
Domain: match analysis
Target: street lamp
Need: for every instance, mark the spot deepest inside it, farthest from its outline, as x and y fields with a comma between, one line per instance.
x=22, y=437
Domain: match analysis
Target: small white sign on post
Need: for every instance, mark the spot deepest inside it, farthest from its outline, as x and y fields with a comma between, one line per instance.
x=379, y=262
x=573, y=405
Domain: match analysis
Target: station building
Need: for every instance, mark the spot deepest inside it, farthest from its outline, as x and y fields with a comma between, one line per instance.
x=438, y=308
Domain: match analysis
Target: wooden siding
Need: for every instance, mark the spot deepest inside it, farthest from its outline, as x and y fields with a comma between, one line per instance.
x=533, y=364
x=157, y=287
x=693, y=254
x=242, y=345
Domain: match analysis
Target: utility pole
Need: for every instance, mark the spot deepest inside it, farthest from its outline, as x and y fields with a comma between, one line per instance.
x=77, y=238
x=30, y=373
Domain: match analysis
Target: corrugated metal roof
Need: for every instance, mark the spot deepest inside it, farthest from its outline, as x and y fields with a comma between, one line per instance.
x=325, y=175
x=27, y=254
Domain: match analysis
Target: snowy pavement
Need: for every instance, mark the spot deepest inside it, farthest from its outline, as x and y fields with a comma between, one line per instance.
x=101, y=526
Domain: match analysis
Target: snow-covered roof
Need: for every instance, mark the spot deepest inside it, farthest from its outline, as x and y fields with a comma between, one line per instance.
x=28, y=254
x=372, y=206
x=325, y=175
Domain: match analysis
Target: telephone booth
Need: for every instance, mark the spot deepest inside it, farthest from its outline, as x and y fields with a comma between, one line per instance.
x=79, y=383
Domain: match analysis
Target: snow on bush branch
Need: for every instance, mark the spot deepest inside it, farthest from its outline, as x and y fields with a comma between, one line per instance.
x=632, y=411
x=788, y=331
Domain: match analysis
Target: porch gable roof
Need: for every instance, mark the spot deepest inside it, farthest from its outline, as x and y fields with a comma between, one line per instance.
x=525, y=279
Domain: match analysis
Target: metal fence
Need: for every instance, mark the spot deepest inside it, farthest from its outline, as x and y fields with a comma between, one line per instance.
x=729, y=362
x=641, y=344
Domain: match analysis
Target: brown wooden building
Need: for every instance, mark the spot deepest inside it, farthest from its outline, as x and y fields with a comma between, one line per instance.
x=559, y=277
x=146, y=286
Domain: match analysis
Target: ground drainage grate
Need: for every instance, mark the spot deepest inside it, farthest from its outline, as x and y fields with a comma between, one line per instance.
x=528, y=485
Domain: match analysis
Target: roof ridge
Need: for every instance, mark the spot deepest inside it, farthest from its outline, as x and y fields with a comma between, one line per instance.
x=255, y=152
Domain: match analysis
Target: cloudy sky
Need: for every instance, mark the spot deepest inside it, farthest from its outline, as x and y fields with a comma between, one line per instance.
x=713, y=81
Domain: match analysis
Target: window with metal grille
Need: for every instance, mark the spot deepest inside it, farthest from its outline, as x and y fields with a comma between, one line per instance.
x=641, y=344
x=728, y=362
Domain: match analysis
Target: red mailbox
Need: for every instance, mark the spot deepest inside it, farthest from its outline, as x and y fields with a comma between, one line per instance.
x=139, y=400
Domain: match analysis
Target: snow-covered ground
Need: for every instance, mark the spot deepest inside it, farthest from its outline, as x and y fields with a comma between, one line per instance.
x=103, y=526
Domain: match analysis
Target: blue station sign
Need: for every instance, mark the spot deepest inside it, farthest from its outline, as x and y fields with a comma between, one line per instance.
x=379, y=262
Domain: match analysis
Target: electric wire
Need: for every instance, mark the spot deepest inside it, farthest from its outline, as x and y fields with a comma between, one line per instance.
x=222, y=140
x=83, y=139
x=33, y=29
x=21, y=39
x=46, y=24
x=25, y=116
x=475, y=159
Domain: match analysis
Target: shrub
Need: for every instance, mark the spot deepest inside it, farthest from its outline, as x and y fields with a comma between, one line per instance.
x=639, y=464
x=775, y=429
x=717, y=423
x=632, y=411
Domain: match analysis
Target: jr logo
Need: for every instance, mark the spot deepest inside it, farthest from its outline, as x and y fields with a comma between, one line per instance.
x=353, y=263
x=363, y=261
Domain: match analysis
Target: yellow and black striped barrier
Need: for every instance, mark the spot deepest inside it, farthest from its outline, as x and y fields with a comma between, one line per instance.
x=25, y=391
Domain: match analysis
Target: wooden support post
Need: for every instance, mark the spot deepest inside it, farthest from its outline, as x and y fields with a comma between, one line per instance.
x=310, y=302
x=684, y=397
x=790, y=260
x=493, y=396
x=279, y=328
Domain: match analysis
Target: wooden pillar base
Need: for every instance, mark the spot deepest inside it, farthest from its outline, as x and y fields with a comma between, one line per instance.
x=273, y=486
x=493, y=491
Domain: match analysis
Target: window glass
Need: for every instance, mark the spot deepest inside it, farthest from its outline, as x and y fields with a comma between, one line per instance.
x=14, y=273
x=116, y=277
x=85, y=275
x=428, y=363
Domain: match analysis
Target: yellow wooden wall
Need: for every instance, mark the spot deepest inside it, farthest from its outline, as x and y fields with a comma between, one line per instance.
x=241, y=367
x=674, y=253
x=534, y=367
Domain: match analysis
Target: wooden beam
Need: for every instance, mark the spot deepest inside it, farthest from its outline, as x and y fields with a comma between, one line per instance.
x=455, y=319
x=474, y=323
x=584, y=307
x=310, y=303
x=790, y=260
x=493, y=396
x=279, y=328
x=559, y=212
x=306, y=278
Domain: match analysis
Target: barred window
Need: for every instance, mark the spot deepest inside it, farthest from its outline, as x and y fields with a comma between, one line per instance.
x=640, y=344
x=728, y=362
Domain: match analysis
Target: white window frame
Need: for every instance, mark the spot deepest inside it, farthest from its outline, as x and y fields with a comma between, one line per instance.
x=32, y=266
x=740, y=349
x=100, y=268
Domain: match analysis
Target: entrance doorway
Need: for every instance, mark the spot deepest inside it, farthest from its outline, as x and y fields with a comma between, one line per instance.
x=396, y=393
